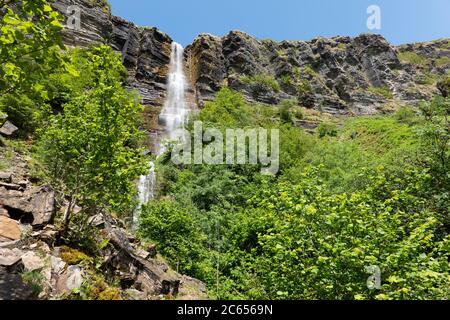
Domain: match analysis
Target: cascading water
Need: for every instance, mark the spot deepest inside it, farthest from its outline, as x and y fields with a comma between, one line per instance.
x=173, y=116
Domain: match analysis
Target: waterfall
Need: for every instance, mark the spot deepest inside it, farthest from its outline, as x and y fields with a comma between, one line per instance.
x=173, y=116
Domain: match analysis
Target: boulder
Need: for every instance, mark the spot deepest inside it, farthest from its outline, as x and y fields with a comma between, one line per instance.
x=9, y=228
x=4, y=212
x=6, y=177
x=71, y=279
x=10, y=257
x=8, y=129
x=58, y=265
x=32, y=261
x=38, y=203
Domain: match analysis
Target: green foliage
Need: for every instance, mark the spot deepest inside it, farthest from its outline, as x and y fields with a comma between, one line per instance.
x=327, y=129
x=285, y=110
x=316, y=246
x=91, y=151
x=35, y=279
x=406, y=115
x=30, y=49
x=228, y=110
x=384, y=92
x=304, y=87
x=444, y=86
x=366, y=195
x=261, y=83
x=443, y=61
x=435, y=153
x=174, y=229
x=412, y=58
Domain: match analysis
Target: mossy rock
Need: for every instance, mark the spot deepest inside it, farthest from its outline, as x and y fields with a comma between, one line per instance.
x=74, y=257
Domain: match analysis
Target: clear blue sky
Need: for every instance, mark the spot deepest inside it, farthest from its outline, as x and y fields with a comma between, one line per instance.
x=403, y=21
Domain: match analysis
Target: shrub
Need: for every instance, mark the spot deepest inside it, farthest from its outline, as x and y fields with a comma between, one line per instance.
x=327, y=129
x=406, y=115
x=35, y=279
x=91, y=151
x=285, y=110
x=174, y=229
x=384, y=92
x=412, y=58
x=261, y=83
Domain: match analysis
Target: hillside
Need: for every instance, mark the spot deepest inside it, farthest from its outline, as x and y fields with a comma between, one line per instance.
x=93, y=207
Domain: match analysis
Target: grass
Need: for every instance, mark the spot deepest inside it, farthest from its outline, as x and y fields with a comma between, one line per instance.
x=384, y=92
x=262, y=80
x=103, y=4
x=443, y=61
x=412, y=58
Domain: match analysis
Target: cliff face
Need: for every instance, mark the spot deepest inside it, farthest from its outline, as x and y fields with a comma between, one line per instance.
x=145, y=51
x=340, y=75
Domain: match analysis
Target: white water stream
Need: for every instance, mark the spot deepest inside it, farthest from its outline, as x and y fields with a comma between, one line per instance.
x=173, y=116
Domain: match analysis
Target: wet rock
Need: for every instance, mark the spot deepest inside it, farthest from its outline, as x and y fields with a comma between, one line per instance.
x=8, y=129
x=9, y=228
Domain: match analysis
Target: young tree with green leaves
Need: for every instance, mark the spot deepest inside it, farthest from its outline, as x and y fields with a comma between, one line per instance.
x=91, y=150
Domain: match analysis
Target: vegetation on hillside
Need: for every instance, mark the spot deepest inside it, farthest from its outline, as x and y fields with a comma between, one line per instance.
x=372, y=193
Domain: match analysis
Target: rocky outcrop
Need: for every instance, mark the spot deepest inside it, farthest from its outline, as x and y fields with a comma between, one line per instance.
x=35, y=205
x=340, y=75
x=145, y=51
x=58, y=271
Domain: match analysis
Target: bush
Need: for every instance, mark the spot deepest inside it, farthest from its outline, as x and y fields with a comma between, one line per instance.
x=285, y=110
x=261, y=83
x=406, y=115
x=412, y=58
x=317, y=246
x=327, y=129
x=174, y=229
x=384, y=92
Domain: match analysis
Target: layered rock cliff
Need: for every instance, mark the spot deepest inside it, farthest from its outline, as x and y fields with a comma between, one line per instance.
x=340, y=75
x=145, y=51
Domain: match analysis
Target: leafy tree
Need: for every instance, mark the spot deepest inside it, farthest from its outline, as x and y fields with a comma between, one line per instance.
x=317, y=246
x=91, y=150
x=30, y=49
x=435, y=153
